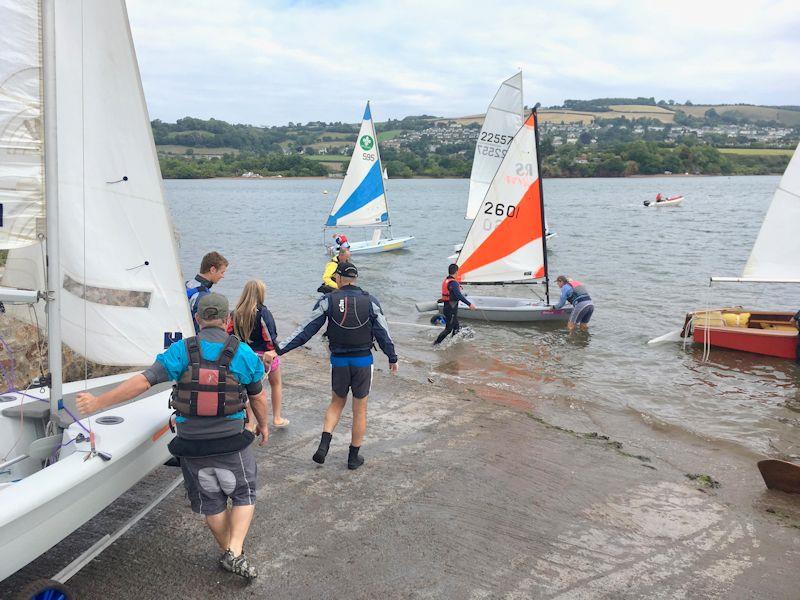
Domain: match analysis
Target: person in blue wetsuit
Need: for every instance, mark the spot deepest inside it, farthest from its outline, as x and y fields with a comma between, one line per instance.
x=576, y=294
x=451, y=296
x=212, y=270
x=354, y=320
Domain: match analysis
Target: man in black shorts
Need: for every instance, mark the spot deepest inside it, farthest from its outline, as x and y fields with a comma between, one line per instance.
x=354, y=320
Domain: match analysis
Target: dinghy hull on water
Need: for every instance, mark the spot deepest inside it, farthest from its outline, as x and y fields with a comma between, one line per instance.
x=756, y=332
x=381, y=245
x=502, y=309
x=44, y=507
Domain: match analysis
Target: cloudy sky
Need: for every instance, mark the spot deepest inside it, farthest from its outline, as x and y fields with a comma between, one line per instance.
x=267, y=62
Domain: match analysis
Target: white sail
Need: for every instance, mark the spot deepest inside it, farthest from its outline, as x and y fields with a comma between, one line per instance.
x=775, y=253
x=21, y=143
x=506, y=241
x=362, y=198
x=503, y=119
x=121, y=286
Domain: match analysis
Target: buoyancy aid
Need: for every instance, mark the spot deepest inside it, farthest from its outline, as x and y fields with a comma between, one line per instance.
x=446, y=288
x=349, y=324
x=579, y=293
x=260, y=339
x=207, y=388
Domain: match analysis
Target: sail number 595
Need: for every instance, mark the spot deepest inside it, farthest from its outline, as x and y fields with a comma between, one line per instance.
x=500, y=210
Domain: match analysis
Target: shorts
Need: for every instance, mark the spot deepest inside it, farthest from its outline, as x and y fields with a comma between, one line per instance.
x=211, y=480
x=351, y=373
x=582, y=312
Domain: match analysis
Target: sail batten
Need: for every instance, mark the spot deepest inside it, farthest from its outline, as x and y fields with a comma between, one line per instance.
x=503, y=119
x=361, y=200
x=774, y=254
x=506, y=240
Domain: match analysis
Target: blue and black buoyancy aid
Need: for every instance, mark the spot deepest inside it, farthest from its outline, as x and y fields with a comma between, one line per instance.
x=349, y=322
x=579, y=293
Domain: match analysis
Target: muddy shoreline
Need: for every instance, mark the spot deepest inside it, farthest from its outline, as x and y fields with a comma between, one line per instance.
x=465, y=494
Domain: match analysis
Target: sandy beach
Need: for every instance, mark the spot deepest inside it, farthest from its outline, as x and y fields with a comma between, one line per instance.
x=464, y=494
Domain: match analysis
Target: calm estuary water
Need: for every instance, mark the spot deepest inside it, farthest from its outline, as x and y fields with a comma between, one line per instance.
x=644, y=269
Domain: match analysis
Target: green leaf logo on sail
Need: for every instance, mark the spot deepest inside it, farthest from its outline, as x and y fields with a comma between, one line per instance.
x=366, y=142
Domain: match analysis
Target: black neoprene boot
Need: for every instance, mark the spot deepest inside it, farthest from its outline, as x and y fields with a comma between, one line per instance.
x=322, y=450
x=354, y=460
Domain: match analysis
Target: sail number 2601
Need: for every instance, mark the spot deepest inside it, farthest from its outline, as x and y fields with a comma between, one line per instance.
x=500, y=210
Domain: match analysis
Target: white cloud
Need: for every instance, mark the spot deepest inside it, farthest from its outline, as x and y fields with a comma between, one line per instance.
x=272, y=61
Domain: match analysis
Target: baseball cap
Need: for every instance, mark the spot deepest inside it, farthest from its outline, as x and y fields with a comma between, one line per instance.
x=347, y=269
x=212, y=306
x=341, y=241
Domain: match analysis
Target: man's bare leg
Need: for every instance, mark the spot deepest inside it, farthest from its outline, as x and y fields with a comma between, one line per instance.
x=359, y=429
x=219, y=526
x=359, y=420
x=240, y=518
x=332, y=416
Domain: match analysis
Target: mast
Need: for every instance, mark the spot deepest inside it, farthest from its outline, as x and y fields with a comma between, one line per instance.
x=380, y=168
x=541, y=200
x=53, y=263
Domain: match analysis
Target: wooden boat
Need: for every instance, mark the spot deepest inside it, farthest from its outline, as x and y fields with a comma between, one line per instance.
x=671, y=201
x=773, y=260
x=361, y=202
x=759, y=332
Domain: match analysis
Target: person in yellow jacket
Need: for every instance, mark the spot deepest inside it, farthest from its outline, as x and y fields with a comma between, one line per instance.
x=328, y=282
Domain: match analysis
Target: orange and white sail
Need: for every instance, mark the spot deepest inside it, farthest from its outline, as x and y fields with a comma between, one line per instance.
x=506, y=241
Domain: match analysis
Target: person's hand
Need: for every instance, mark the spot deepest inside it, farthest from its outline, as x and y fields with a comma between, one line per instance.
x=251, y=427
x=393, y=368
x=472, y=307
x=269, y=356
x=87, y=403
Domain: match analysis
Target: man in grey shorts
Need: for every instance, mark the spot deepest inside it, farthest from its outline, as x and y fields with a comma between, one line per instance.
x=354, y=320
x=212, y=441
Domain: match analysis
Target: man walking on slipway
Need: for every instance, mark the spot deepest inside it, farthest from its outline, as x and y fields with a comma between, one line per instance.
x=354, y=320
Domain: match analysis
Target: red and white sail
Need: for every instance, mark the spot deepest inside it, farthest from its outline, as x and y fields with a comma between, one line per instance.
x=506, y=240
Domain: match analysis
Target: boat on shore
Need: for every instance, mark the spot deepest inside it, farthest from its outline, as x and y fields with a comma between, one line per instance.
x=361, y=202
x=91, y=252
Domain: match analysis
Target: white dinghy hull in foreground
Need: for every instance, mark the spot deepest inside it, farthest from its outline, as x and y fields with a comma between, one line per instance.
x=42, y=508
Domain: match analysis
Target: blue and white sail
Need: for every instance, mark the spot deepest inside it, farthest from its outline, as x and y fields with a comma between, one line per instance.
x=362, y=198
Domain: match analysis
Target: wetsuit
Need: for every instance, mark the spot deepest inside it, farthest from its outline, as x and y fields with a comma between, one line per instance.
x=450, y=309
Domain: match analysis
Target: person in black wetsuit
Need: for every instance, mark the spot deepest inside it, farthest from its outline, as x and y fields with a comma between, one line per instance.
x=451, y=296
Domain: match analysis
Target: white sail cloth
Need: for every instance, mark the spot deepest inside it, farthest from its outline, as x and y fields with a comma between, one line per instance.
x=361, y=200
x=121, y=289
x=21, y=143
x=506, y=240
x=775, y=253
x=503, y=120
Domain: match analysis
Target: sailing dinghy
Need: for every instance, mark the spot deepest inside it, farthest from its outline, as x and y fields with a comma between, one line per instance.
x=773, y=259
x=79, y=185
x=503, y=120
x=361, y=201
x=506, y=242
